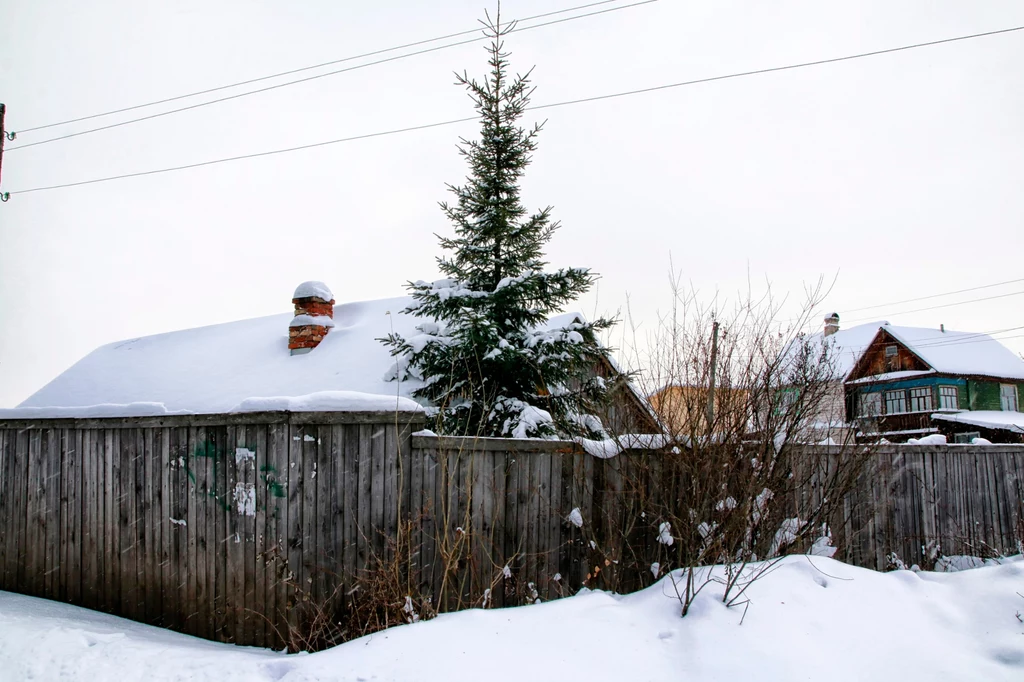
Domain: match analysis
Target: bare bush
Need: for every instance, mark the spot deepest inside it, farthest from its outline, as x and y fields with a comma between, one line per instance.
x=738, y=393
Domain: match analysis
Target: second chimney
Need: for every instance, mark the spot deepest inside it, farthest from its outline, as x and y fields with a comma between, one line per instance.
x=314, y=317
x=831, y=324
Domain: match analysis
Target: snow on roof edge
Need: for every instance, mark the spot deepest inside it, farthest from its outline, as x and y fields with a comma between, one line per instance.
x=988, y=419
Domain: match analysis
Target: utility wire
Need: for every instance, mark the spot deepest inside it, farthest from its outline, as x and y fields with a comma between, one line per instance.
x=317, y=76
x=785, y=68
x=299, y=70
x=544, y=106
x=919, y=298
x=947, y=305
x=948, y=293
x=948, y=339
x=938, y=341
x=966, y=342
x=250, y=156
x=857, y=350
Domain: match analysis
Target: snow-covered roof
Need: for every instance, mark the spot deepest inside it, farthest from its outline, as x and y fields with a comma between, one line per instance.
x=948, y=352
x=847, y=345
x=241, y=367
x=218, y=368
x=952, y=352
x=989, y=419
x=892, y=376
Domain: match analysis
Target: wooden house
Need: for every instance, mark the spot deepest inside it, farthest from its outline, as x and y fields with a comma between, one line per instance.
x=319, y=357
x=682, y=409
x=908, y=381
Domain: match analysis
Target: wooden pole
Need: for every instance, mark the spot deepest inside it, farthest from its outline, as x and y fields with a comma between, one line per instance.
x=711, y=383
x=3, y=137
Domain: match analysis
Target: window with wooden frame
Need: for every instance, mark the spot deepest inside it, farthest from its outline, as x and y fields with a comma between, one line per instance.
x=895, y=402
x=949, y=398
x=892, y=358
x=870, y=404
x=1008, y=397
x=921, y=399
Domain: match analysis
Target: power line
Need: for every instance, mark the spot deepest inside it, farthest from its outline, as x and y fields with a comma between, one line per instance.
x=785, y=68
x=924, y=298
x=944, y=339
x=543, y=106
x=317, y=76
x=298, y=70
x=948, y=305
x=980, y=337
x=250, y=156
x=857, y=350
x=963, y=343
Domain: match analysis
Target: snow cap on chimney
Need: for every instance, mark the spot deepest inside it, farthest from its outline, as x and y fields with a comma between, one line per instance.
x=831, y=324
x=314, y=316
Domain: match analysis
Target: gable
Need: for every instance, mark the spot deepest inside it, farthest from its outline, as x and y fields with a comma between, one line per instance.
x=963, y=353
x=886, y=354
x=938, y=350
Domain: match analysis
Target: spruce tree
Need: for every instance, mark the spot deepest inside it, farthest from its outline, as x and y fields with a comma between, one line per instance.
x=491, y=363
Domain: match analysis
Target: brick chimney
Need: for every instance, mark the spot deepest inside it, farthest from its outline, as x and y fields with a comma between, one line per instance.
x=314, y=317
x=831, y=324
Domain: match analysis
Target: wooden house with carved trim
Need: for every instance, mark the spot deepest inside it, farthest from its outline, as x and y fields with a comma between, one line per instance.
x=907, y=382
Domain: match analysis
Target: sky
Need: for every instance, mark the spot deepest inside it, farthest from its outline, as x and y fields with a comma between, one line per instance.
x=895, y=177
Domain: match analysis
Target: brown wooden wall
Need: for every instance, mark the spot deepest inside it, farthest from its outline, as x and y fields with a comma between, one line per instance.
x=239, y=527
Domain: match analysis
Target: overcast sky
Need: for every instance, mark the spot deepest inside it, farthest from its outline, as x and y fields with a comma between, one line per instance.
x=903, y=173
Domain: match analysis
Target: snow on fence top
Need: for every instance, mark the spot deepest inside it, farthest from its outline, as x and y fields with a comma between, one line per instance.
x=313, y=288
x=330, y=401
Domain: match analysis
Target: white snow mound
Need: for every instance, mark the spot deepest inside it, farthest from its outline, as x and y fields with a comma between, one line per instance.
x=810, y=618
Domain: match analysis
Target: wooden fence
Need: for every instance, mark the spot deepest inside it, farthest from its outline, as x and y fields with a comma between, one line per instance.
x=918, y=501
x=256, y=528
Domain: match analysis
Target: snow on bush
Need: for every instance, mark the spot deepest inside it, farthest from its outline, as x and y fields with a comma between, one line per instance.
x=728, y=504
x=526, y=421
x=665, y=534
x=576, y=518
x=786, y=534
x=823, y=545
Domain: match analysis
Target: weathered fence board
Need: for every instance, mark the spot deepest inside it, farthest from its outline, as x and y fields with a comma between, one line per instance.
x=249, y=528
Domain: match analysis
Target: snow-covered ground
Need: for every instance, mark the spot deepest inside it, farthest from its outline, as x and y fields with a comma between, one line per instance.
x=811, y=619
